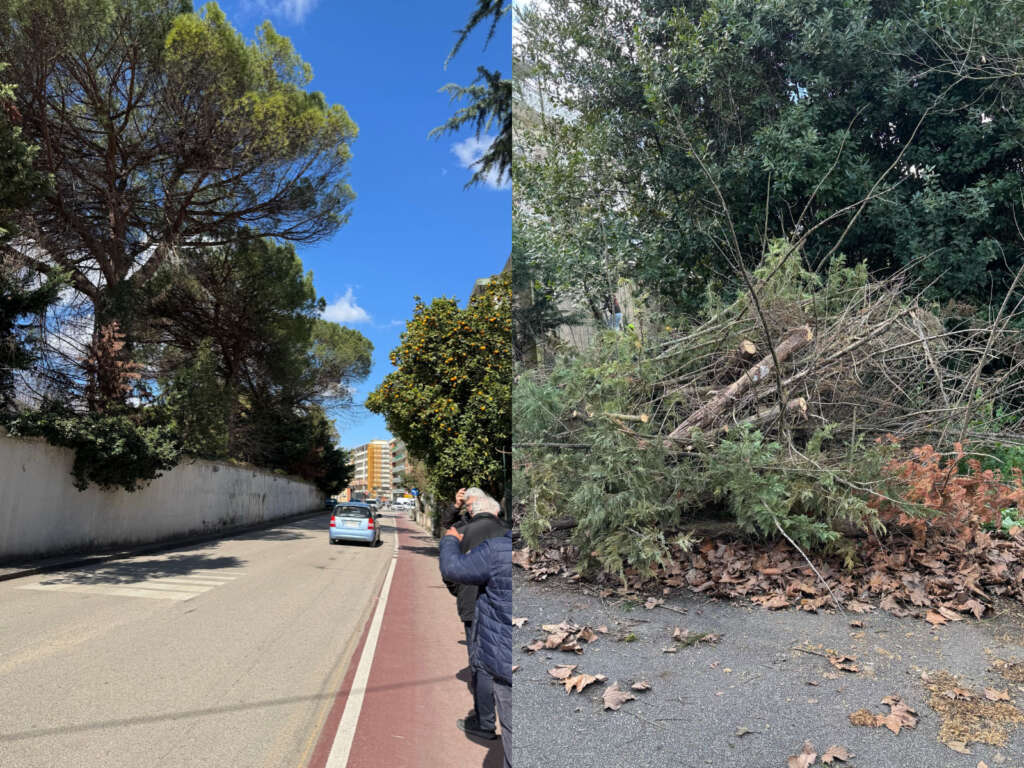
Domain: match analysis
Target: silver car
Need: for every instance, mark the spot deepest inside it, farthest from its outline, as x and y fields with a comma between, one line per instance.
x=354, y=521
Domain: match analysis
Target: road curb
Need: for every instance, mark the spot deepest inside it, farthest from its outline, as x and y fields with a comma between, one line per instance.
x=75, y=561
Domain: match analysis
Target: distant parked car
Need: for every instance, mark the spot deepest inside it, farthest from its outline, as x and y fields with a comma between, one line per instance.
x=330, y=503
x=354, y=521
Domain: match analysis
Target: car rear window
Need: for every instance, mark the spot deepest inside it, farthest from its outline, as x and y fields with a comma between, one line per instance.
x=352, y=511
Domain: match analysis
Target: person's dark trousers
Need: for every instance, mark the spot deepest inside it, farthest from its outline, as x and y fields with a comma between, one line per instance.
x=503, y=700
x=483, y=698
x=469, y=651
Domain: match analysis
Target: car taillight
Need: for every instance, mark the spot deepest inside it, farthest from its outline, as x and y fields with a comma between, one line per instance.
x=332, y=521
x=369, y=524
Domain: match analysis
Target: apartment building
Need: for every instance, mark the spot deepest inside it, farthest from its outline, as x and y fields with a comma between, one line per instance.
x=373, y=473
x=399, y=464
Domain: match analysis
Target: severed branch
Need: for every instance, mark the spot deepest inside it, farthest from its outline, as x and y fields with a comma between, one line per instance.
x=794, y=341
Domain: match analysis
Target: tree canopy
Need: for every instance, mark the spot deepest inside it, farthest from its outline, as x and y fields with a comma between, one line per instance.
x=450, y=398
x=669, y=139
x=488, y=99
x=162, y=167
x=164, y=129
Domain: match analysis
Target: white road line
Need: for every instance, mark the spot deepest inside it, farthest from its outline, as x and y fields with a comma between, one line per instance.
x=182, y=587
x=338, y=757
x=104, y=589
x=181, y=580
x=194, y=588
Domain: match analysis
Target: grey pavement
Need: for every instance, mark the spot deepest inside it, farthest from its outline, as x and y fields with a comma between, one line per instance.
x=222, y=653
x=752, y=679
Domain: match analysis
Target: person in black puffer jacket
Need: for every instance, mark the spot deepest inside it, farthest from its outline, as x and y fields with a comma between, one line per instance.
x=488, y=566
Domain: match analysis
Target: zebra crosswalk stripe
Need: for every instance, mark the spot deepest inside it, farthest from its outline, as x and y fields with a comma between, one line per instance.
x=157, y=587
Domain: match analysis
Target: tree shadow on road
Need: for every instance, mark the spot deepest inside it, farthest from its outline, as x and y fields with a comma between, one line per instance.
x=428, y=551
x=138, y=570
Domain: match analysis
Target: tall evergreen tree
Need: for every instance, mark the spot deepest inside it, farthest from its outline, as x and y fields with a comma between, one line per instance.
x=163, y=129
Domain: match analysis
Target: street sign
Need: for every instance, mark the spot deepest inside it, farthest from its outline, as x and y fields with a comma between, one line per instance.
x=414, y=491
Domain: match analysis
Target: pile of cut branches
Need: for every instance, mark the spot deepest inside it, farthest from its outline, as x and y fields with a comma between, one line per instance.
x=791, y=411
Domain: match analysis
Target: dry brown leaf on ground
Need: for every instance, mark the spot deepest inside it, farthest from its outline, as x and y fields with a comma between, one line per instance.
x=555, y=639
x=890, y=604
x=845, y=663
x=806, y=757
x=562, y=671
x=950, y=613
x=614, y=698
x=641, y=685
x=836, y=752
x=564, y=626
x=581, y=681
x=993, y=694
x=519, y=621
x=935, y=619
x=858, y=607
x=959, y=746
x=653, y=602
x=587, y=634
x=603, y=629
x=521, y=558
x=900, y=716
x=974, y=606
x=773, y=602
x=566, y=637
x=536, y=645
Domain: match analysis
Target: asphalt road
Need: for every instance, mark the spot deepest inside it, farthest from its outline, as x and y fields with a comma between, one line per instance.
x=751, y=700
x=227, y=653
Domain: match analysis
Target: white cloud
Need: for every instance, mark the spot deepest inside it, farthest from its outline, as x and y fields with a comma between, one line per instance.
x=469, y=152
x=293, y=10
x=345, y=310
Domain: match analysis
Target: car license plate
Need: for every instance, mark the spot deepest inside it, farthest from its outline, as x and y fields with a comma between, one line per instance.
x=350, y=524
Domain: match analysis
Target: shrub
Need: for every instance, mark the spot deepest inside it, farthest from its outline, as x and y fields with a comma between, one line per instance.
x=122, y=447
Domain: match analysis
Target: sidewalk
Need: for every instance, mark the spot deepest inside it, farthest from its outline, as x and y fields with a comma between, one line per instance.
x=417, y=682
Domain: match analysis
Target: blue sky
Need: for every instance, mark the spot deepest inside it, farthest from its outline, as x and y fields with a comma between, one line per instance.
x=413, y=230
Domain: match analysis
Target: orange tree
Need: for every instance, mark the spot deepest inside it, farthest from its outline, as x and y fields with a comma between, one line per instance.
x=449, y=398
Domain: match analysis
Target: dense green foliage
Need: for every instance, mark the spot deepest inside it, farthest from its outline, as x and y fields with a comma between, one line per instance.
x=249, y=364
x=160, y=165
x=677, y=137
x=123, y=447
x=24, y=295
x=449, y=399
x=164, y=129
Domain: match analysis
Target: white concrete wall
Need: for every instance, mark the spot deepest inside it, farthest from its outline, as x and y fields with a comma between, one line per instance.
x=42, y=513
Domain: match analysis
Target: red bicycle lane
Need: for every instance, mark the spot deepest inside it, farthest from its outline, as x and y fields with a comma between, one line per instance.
x=415, y=689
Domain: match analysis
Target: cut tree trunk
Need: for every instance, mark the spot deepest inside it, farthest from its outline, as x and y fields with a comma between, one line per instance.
x=797, y=406
x=704, y=416
x=740, y=359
